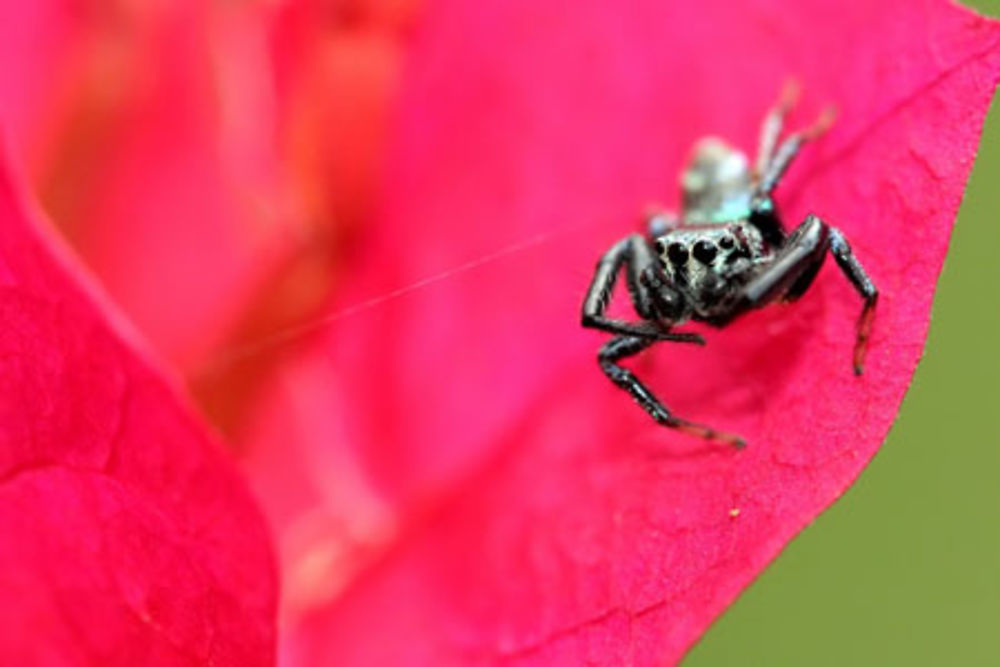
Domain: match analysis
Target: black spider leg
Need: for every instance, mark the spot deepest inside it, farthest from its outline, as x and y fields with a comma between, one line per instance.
x=849, y=264
x=795, y=266
x=787, y=274
x=621, y=347
x=772, y=163
x=634, y=253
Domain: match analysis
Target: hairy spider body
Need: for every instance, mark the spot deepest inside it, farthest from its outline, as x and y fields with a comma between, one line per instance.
x=726, y=254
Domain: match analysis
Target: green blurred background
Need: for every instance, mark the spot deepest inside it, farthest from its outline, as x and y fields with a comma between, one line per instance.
x=905, y=568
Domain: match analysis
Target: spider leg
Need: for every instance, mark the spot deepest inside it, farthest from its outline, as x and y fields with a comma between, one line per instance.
x=789, y=273
x=772, y=172
x=634, y=253
x=851, y=267
x=795, y=266
x=621, y=347
x=774, y=121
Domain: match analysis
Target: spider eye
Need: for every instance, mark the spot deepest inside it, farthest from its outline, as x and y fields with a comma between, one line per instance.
x=659, y=246
x=677, y=254
x=726, y=243
x=705, y=252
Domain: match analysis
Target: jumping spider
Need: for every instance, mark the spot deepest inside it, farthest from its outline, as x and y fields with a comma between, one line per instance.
x=727, y=254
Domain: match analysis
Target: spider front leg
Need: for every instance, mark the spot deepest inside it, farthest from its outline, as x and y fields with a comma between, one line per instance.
x=793, y=269
x=634, y=253
x=621, y=347
x=849, y=264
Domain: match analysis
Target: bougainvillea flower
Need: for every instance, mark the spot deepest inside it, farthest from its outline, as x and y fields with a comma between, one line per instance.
x=534, y=513
x=126, y=535
x=450, y=477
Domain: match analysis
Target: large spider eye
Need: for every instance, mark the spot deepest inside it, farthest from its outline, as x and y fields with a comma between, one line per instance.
x=705, y=252
x=677, y=254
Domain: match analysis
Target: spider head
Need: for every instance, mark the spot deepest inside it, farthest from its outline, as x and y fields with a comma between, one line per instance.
x=707, y=262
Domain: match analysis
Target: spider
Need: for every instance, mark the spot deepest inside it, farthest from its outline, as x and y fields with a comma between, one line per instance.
x=727, y=253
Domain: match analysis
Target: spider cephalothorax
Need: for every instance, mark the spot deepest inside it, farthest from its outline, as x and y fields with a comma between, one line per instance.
x=727, y=253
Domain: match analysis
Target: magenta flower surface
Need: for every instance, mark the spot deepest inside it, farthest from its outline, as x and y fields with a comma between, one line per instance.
x=542, y=518
x=126, y=535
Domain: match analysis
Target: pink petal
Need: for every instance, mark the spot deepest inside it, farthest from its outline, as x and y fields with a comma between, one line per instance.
x=126, y=537
x=541, y=515
x=36, y=44
x=184, y=219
